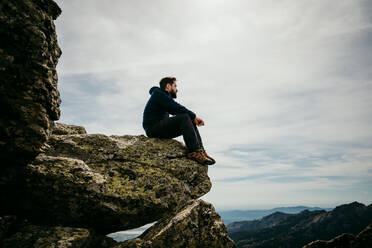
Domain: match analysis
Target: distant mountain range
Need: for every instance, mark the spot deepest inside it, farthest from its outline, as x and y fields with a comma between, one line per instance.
x=267, y=221
x=296, y=230
x=244, y=215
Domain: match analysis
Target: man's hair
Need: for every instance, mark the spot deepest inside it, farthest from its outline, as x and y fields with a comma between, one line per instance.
x=167, y=80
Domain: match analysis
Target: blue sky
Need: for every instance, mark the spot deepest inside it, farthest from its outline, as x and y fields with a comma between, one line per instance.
x=284, y=88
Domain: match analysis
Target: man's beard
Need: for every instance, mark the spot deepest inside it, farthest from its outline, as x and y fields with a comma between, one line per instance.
x=173, y=94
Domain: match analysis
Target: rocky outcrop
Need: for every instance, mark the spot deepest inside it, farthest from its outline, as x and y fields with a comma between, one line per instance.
x=64, y=129
x=105, y=183
x=84, y=185
x=29, y=99
x=346, y=240
x=196, y=225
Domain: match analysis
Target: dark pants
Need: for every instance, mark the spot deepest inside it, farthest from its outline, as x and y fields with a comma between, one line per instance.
x=172, y=127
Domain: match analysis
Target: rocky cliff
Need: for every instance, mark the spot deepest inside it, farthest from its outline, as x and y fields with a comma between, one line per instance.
x=29, y=99
x=62, y=187
x=106, y=183
x=84, y=186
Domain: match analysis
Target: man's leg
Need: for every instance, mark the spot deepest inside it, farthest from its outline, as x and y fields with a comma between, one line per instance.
x=172, y=127
x=198, y=136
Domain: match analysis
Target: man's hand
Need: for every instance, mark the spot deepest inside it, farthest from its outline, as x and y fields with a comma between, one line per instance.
x=199, y=122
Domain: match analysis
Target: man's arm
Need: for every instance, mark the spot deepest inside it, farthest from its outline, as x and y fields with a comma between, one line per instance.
x=172, y=106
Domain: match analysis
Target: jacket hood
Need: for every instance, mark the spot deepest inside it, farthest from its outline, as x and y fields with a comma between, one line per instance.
x=155, y=88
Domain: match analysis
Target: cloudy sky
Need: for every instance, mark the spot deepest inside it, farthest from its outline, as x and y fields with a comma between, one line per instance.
x=284, y=88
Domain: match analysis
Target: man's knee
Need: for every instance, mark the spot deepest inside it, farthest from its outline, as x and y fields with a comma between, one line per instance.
x=183, y=117
x=185, y=121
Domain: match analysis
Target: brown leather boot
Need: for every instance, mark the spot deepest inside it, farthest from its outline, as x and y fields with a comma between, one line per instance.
x=199, y=157
x=206, y=154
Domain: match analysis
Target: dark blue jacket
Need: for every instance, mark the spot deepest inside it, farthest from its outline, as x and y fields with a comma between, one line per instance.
x=159, y=106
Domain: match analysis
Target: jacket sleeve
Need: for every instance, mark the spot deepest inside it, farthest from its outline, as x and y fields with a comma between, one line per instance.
x=172, y=106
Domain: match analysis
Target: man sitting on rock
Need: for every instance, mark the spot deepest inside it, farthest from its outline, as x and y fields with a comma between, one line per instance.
x=158, y=124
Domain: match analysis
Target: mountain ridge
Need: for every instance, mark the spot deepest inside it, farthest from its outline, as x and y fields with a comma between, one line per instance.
x=230, y=216
x=300, y=229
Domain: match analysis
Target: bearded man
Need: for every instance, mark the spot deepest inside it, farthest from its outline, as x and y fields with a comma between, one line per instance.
x=158, y=124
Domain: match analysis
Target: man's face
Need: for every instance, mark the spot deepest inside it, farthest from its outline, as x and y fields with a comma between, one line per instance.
x=172, y=90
